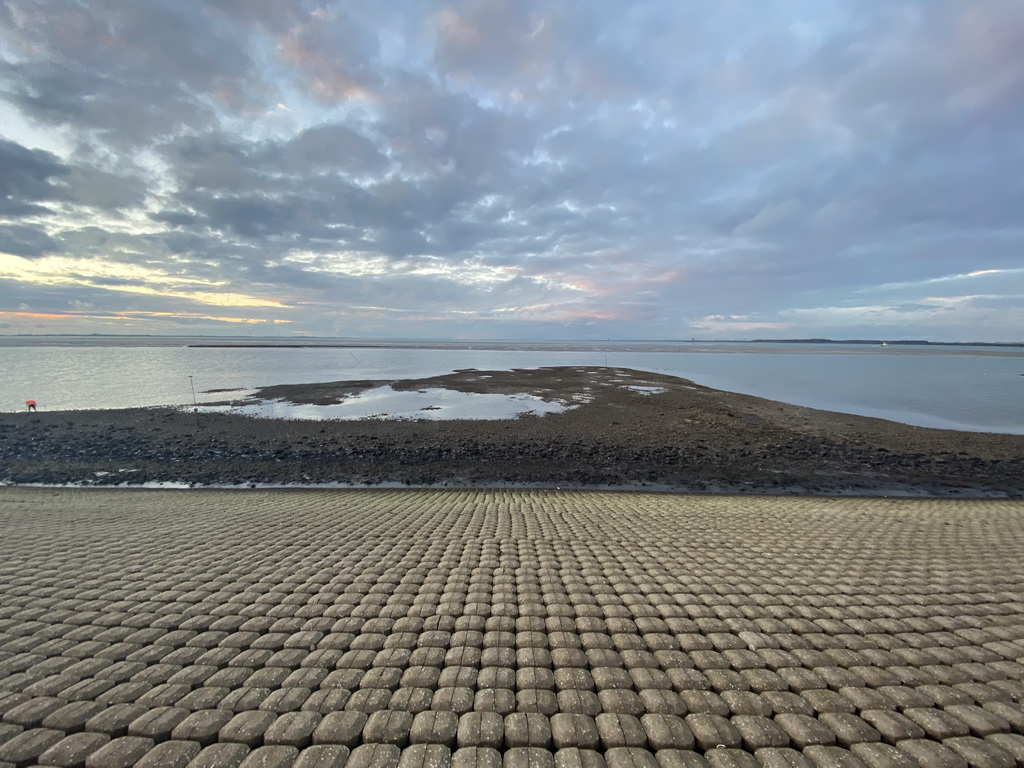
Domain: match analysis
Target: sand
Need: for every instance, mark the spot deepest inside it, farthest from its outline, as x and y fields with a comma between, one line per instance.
x=540, y=628
x=684, y=438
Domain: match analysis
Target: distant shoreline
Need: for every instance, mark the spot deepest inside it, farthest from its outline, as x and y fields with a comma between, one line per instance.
x=328, y=342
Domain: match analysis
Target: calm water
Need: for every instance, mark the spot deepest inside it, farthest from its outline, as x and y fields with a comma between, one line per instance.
x=980, y=389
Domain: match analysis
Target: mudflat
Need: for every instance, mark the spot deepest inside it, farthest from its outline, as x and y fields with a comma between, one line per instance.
x=682, y=437
x=489, y=628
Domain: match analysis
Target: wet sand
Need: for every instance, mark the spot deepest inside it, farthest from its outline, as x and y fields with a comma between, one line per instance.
x=686, y=438
x=387, y=628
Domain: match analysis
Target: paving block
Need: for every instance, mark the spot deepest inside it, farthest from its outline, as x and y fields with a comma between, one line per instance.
x=723, y=757
x=630, y=757
x=832, y=757
x=806, y=731
x=122, y=752
x=322, y=756
x=528, y=757
x=25, y=747
x=343, y=728
x=274, y=756
x=617, y=730
x=665, y=731
x=374, y=756
x=476, y=757
x=982, y=722
x=202, y=727
x=220, y=755
x=31, y=713
x=170, y=754
x=1011, y=743
x=425, y=756
x=292, y=729
x=388, y=727
x=157, y=723
x=72, y=717
x=849, y=729
x=893, y=726
x=760, y=732
x=573, y=757
x=772, y=757
x=434, y=728
x=931, y=754
x=72, y=751
x=980, y=753
x=527, y=729
x=878, y=755
x=481, y=729
x=247, y=728
x=714, y=732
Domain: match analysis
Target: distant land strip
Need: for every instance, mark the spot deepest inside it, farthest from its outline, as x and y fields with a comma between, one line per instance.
x=865, y=342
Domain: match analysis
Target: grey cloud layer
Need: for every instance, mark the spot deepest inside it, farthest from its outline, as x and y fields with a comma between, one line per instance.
x=501, y=167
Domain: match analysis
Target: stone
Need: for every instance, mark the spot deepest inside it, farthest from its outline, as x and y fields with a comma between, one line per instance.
x=274, y=756
x=72, y=717
x=528, y=757
x=772, y=757
x=481, y=729
x=760, y=732
x=849, y=729
x=374, y=756
x=878, y=755
x=322, y=756
x=527, y=729
x=806, y=731
x=680, y=758
x=220, y=755
x=25, y=747
x=425, y=756
x=122, y=752
x=573, y=757
x=893, y=726
x=667, y=732
x=731, y=758
x=435, y=728
x=713, y=732
x=931, y=754
x=630, y=757
x=832, y=757
x=170, y=754
x=388, y=727
x=157, y=723
x=343, y=728
x=72, y=751
x=980, y=753
x=618, y=730
x=476, y=757
x=247, y=728
x=292, y=729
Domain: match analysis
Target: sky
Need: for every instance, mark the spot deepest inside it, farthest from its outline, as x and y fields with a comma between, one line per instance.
x=513, y=169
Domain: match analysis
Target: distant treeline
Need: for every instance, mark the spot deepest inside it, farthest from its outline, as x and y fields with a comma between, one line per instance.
x=900, y=342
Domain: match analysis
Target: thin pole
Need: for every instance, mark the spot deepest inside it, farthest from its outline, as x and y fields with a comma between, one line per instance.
x=195, y=402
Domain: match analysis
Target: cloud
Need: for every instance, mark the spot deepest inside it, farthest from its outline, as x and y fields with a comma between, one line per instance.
x=493, y=167
x=26, y=241
x=27, y=178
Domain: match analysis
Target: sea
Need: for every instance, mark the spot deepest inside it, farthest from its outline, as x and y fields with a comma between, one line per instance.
x=970, y=388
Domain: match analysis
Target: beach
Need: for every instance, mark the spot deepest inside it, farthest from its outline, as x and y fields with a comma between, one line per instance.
x=627, y=430
x=507, y=628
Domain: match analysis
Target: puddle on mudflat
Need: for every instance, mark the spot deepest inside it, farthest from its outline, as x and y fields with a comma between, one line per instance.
x=646, y=390
x=433, y=404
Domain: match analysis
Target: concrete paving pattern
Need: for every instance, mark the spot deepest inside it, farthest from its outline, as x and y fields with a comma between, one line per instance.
x=508, y=628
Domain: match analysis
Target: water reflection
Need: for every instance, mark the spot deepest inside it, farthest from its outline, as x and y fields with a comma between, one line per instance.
x=385, y=403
